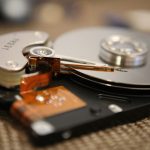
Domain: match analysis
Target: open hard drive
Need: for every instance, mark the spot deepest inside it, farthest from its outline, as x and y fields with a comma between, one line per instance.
x=87, y=79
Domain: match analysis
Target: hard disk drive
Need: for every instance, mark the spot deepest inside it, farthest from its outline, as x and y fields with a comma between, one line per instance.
x=87, y=80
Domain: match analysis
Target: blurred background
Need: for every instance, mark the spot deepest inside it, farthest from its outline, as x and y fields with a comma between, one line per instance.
x=59, y=16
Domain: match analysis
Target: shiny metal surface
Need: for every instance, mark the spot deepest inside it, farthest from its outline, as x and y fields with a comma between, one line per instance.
x=85, y=44
x=42, y=51
x=123, y=51
x=12, y=46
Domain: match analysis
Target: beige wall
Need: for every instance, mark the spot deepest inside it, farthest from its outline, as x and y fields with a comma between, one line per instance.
x=91, y=13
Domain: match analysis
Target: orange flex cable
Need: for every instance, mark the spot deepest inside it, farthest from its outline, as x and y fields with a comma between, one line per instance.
x=31, y=82
x=49, y=102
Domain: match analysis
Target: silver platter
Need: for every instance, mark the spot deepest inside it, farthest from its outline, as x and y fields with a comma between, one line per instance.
x=86, y=44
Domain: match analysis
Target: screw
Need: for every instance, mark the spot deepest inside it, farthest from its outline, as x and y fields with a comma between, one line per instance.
x=115, y=108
